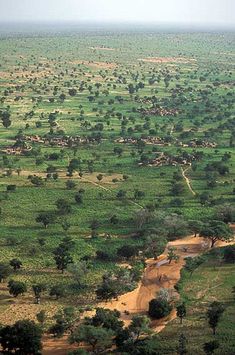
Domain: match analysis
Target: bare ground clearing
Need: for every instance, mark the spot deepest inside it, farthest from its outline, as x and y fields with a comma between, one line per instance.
x=103, y=48
x=99, y=65
x=163, y=60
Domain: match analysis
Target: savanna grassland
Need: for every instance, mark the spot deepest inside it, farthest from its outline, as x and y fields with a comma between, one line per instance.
x=110, y=139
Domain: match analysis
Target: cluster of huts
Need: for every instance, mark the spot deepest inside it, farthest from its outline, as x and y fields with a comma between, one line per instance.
x=64, y=141
x=22, y=146
x=163, y=159
x=17, y=149
x=198, y=143
x=147, y=140
x=158, y=111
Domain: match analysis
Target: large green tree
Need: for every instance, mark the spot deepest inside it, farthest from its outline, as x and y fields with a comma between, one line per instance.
x=24, y=337
x=216, y=230
x=100, y=339
x=62, y=258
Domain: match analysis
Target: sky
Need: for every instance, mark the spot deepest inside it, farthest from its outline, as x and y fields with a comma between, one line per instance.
x=205, y=12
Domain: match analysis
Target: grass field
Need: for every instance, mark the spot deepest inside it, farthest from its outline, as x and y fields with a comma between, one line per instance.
x=212, y=281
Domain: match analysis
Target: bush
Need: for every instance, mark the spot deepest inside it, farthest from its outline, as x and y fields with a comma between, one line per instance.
x=16, y=288
x=70, y=184
x=63, y=206
x=102, y=255
x=24, y=337
x=78, y=198
x=11, y=188
x=127, y=251
x=159, y=308
x=229, y=254
x=57, y=291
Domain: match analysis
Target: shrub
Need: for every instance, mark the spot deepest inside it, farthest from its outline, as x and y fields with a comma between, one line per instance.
x=11, y=188
x=126, y=251
x=229, y=254
x=159, y=308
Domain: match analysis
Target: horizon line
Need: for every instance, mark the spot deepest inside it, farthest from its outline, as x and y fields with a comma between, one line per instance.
x=116, y=22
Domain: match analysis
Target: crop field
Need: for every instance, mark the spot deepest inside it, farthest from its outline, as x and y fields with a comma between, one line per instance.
x=108, y=134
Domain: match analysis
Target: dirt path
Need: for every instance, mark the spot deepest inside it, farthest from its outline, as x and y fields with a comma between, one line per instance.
x=106, y=189
x=95, y=184
x=158, y=274
x=187, y=180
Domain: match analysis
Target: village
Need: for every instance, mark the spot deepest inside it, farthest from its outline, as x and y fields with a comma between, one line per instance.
x=147, y=140
x=22, y=146
x=164, y=159
x=61, y=141
x=198, y=143
x=195, y=143
x=158, y=111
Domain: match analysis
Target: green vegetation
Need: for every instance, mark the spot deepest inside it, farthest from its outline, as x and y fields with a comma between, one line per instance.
x=208, y=298
x=111, y=145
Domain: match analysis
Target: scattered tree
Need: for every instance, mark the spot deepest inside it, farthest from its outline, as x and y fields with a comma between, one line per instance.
x=182, y=350
x=37, y=290
x=210, y=347
x=172, y=255
x=16, y=264
x=45, y=219
x=181, y=311
x=214, y=314
x=100, y=339
x=17, y=288
x=216, y=230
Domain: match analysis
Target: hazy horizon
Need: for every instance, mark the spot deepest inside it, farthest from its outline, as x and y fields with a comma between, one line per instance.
x=196, y=13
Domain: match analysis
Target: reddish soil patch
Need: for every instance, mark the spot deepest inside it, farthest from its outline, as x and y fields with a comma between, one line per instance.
x=57, y=346
x=158, y=274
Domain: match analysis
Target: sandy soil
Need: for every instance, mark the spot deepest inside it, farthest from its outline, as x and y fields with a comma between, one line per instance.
x=99, y=65
x=57, y=346
x=167, y=60
x=4, y=74
x=24, y=308
x=103, y=48
x=158, y=274
x=30, y=74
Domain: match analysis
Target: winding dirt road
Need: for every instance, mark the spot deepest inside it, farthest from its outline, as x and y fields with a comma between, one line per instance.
x=158, y=274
